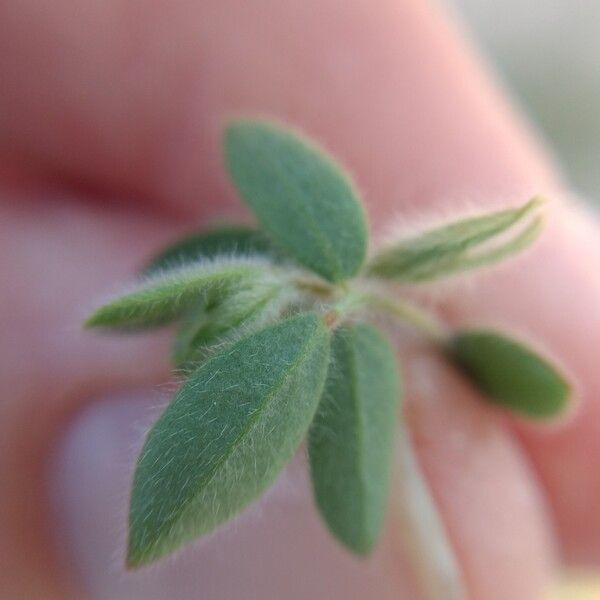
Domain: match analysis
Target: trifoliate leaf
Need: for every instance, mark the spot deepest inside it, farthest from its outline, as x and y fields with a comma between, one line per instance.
x=161, y=299
x=300, y=196
x=231, y=428
x=511, y=374
x=457, y=247
x=223, y=241
x=247, y=308
x=351, y=438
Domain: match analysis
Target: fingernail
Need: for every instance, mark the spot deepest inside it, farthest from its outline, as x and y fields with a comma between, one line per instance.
x=278, y=548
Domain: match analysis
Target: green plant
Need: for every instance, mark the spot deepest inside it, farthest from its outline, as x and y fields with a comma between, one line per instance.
x=277, y=337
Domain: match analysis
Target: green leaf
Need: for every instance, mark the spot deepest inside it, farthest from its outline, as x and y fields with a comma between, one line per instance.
x=351, y=438
x=162, y=299
x=511, y=374
x=207, y=328
x=229, y=431
x=227, y=240
x=452, y=248
x=512, y=246
x=300, y=196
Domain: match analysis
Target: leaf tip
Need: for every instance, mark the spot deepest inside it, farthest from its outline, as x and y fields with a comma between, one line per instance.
x=134, y=560
x=535, y=202
x=94, y=320
x=133, y=557
x=102, y=317
x=237, y=127
x=564, y=405
x=360, y=544
x=362, y=548
x=141, y=551
x=132, y=563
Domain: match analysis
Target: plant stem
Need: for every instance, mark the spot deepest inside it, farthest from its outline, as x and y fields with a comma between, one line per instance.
x=350, y=299
x=432, y=557
x=315, y=286
x=407, y=311
x=347, y=304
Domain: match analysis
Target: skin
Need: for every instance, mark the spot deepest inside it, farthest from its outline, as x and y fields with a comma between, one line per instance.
x=109, y=120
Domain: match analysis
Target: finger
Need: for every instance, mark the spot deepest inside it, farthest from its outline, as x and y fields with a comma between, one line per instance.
x=52, y=260
x=494, y=513
x=557, y=305
x=133, y=100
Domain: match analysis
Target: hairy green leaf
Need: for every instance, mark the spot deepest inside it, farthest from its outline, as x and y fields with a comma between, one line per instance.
x=351, y=438
x=162, y=299
x=511, y=374
x=231, y=428
x=492, y=255
x=452, y=248
x=226, y=240
x=300, y=196
x=247, y=308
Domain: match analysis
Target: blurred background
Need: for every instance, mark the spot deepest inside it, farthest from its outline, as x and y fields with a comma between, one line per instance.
x=548, y=54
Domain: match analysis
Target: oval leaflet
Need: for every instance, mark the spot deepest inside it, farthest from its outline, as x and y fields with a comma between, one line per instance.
x=458, y=246
x=351, y=439
x=162, y=299
x=227, y=240
x=231, y=428
x=511, y=374
x=299, y=195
